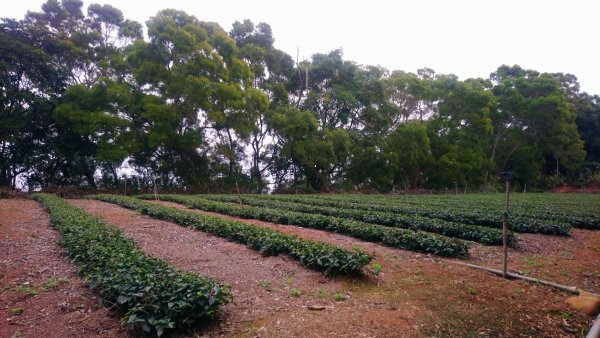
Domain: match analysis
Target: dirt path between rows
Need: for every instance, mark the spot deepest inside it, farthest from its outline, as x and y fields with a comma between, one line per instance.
x=265, y=303
x=40, y=292
x=573, y=260
x=421, y=294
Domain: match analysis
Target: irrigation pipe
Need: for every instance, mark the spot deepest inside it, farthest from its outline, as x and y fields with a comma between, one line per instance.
x=594, y=330
x=570, y=289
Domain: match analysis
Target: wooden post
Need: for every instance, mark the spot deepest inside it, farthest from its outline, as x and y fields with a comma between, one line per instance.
x=505, y=230
x=239, y=195
x=154, y=188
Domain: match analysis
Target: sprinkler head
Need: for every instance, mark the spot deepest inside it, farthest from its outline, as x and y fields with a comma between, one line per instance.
x=508, y=175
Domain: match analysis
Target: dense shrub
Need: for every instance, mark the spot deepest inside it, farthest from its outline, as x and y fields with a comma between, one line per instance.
x=315, y=255
x=152, y=294
x=479, y=214
x=480, y=234
x=394, y=237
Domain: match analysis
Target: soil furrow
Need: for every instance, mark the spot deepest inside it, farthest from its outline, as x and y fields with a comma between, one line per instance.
x=264, y=288
x=573, y=260
x=435, y=298
x=40, y=292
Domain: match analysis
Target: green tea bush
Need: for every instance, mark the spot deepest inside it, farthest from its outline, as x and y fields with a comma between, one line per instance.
x=152, y=294
x=393, y=237
x=327, y=258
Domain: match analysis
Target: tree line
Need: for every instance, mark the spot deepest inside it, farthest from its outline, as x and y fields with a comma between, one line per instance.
x=89, y=101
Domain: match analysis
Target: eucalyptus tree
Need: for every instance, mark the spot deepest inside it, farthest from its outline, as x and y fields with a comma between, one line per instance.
x=588, y=124
x=534, y=111
x=190, y=79
x=587, y=107
x=272, y=71
x=347, y=99
x=411, y=94
x=30, y=81
x=315, y=153
x=459, y=130
x=85, y=50
x=409, y=152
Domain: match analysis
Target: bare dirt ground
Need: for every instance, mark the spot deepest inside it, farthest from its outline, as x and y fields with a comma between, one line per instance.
x=572, y=261
x=40, y=292
x=265, y=303
x=414, y=295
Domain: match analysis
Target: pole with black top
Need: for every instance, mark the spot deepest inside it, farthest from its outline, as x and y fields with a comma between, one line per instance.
x=508, y=176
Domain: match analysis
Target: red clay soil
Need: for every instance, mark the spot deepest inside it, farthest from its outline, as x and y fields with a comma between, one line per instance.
x=590, y=189
x=40, y=292
x=265, y=303
x=572, y=261
x=414, y=295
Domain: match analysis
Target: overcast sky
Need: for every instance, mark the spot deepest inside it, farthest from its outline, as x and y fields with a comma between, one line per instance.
x=469, y=38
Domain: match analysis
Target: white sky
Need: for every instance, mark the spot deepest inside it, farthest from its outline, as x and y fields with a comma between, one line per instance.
x=469, y=38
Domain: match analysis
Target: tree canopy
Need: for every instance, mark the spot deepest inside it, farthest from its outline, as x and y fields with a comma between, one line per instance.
x=88, y=101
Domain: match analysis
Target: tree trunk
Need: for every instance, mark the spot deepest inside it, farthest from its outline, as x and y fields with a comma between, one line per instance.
x=90, y=178
x=4, y=179
x=232, y=155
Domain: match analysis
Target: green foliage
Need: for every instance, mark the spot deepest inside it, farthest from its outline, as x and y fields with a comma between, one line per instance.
x=376, y=268
x=588, y=124
x=266, y=284
x=29, y=81
x=82, y=92
x=27, y=290
x=16, y=311
x=294, y=293
x=534, y=109
x=458, y=213
x=317, y=153
x=459, y=131
x=338, y=297
x=393, y=237
x=151, y=293
x=400, y=220
x=409, y=151
x=319, y=256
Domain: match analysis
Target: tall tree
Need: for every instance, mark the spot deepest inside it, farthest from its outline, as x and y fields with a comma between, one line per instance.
x=87, y=50
x=588, y=124
x=411, y=95
x=272, y=70
x=409, y=152
x=459, y=131
x=536, y=107
x=191, y=79
x=30, y=80
x=317, y=154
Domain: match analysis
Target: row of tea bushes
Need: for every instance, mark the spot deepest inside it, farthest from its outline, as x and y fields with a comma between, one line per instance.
x=480, y=234
x=476, y=215
x=394, y=237
x=152, y=294
x=327, y=258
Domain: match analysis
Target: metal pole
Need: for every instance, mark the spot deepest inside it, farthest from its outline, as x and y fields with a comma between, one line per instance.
x=595, y=330
x=505, y=230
